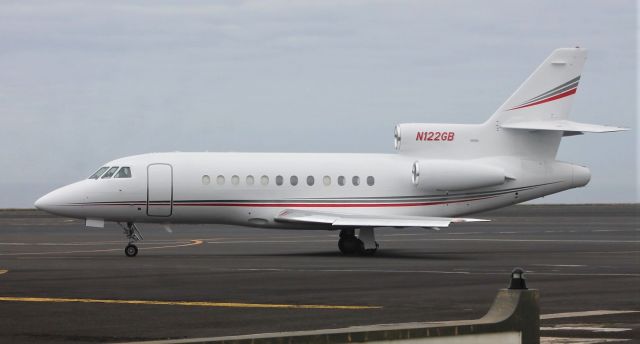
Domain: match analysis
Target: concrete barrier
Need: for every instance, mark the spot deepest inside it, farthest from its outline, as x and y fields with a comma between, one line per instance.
x=514, y=317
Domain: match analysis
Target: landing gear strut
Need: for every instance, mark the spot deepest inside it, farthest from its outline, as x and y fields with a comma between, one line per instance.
x=365, y=244
x=133, y=234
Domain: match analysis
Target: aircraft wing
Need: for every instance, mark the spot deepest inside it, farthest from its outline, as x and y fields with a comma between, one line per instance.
x=351, y=220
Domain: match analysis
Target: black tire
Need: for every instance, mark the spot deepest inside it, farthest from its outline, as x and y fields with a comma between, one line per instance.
x=350, y=245
x=131, y=250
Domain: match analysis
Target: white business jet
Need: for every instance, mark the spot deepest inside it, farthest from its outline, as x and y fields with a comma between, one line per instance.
x=439, y=173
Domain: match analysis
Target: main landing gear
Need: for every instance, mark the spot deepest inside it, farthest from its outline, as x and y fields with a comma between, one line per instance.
x=364, y=244
x=133, y=234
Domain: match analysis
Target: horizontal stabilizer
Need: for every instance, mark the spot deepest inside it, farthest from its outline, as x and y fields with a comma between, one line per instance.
x=562, y=125
x=350, y=220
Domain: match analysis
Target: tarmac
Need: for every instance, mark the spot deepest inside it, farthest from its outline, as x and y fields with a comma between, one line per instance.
x=61, y=283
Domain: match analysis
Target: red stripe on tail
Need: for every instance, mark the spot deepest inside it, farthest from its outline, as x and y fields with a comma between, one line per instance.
x=561, y=95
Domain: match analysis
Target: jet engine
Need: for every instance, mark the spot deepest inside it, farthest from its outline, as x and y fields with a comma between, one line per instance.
x=454, y=175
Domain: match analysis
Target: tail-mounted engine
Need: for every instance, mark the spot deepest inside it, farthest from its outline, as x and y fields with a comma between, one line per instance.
x=454, y=175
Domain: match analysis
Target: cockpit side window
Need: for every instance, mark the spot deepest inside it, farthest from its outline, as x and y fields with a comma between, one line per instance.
x=110, y=172
x=99, y=172
x=124, y=172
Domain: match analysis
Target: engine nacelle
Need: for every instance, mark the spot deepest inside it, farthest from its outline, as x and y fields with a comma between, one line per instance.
x=454, y=175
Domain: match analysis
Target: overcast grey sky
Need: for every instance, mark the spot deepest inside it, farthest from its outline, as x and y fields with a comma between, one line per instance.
x=84, y=82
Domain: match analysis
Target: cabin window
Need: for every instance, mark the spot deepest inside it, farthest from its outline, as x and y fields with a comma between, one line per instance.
x=371, y=180
x=124, y=172
x=99, y=172
x=293, y=180
x=355, y=180
x=341, y=180
x=279, y=180
x=264, y=180
x=206, y=180
x=326, y=180
x=110, y=172
x=310, y=180
x=249, y=180
x=220, y=180
x=235, y=180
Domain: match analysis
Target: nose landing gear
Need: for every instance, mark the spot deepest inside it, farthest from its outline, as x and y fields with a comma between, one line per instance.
x=133, y=234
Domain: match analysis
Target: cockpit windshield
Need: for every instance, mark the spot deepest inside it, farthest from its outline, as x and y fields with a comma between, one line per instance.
x=110, y=172
x=99, y=172
x=107, y=172
x=124, y=172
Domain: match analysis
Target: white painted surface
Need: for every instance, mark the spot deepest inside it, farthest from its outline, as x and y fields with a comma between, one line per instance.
x=583, y=314
x=584, y=328
x=563, y=125
x=494, y=338
x=94, y=223
x=563, y=340
x=159, y=189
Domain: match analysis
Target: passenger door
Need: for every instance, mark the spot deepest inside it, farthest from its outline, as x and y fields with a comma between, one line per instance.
x=159, y=190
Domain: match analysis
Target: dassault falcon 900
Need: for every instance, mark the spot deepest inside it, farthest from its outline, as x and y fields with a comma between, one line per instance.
x=439, y=173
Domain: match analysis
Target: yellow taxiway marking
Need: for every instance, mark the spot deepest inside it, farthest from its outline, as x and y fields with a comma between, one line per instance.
x=184, y=303
x=3, y=271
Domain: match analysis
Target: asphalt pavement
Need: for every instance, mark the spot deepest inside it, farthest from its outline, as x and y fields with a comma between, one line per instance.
x=60, y=282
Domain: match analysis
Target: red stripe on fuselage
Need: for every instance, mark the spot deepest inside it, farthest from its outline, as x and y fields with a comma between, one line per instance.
x=293, y=204
x=324, y=205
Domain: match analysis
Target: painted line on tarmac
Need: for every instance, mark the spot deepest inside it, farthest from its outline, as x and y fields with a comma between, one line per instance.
x=344, y=270
x=608, y=252
x=527, y=240
x=87, y=243
x=2, y=272
x=190, y=243
x=582, y=314
x=561, y=265
x=582, y=274
x=434, y=239
x=424, y=272
x=266, y=241
x=184, y=303
x=427, y=233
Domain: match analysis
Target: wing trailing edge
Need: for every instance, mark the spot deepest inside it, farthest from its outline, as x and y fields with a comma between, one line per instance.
x=352, y=220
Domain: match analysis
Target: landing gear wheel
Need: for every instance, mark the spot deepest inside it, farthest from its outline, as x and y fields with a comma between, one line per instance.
x=350, y=245
x=131, y=250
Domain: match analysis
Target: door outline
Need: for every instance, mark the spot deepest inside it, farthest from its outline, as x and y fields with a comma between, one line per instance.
x=171, y=200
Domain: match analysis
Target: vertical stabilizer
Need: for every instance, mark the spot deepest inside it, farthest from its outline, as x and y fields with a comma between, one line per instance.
x=548, y=93
x=530, y=124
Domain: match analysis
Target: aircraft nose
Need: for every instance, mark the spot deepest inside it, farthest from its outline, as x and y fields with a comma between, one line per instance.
x=45, y=202
x=61, y=201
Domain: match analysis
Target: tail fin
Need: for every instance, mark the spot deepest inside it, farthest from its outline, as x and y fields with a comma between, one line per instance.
x=530, y=124
x=547, y=93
